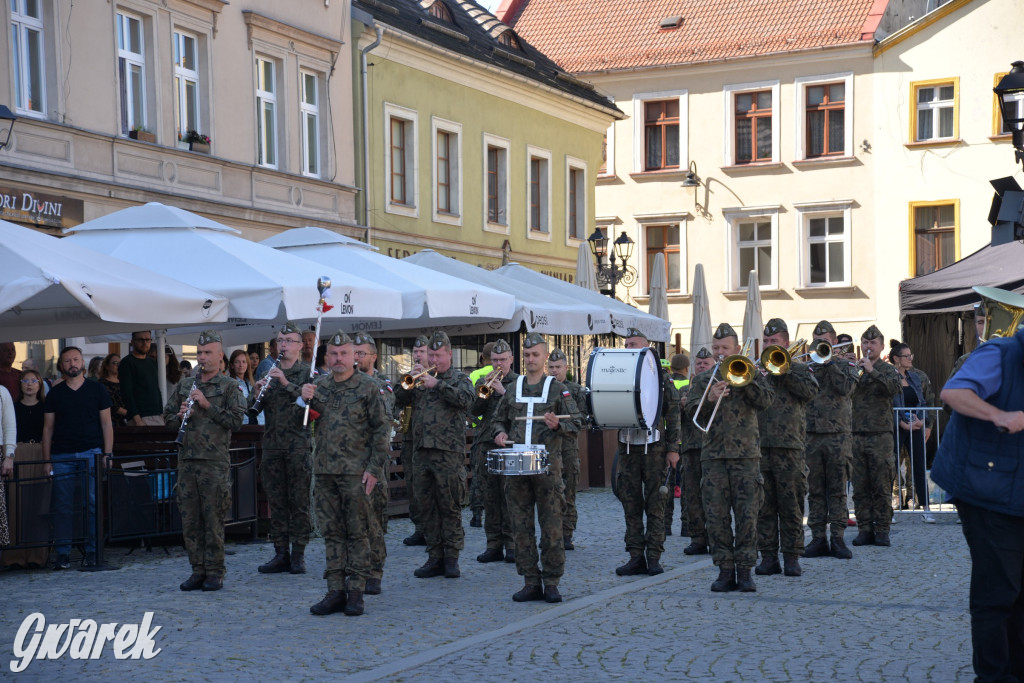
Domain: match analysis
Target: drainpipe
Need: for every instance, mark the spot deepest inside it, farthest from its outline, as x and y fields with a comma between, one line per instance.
x=366, y=129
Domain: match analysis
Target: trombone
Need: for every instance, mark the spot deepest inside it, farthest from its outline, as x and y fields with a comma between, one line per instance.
x=485, y=390
x=778, y=360
x=411, y=381
x=821, y=353
x=738, y=370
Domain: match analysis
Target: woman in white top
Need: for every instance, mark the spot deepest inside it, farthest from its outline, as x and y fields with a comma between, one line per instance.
x=239, y=369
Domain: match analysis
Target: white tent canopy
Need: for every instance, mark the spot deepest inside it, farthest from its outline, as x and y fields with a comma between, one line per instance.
x=700, y=327
x=753, y=328
x=52, y=288
x=658, y=304
x=429, y=298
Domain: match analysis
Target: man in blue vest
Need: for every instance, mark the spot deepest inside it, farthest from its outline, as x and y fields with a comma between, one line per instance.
x=980, y=464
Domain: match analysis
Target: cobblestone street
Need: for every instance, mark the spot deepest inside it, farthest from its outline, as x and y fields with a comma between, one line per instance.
x=888, y=614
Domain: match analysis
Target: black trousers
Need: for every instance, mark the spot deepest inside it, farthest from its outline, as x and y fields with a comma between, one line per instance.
x=996, y=542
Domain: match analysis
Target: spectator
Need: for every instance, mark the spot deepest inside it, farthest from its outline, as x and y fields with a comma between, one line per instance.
x=173, y=367
x=238, y=369
x=8, y=375
x=264, y=367
x=94, y=368
x=109, y=379
x=186, y=368
x=8, y=440
x=254, y=359
x=913, y=427
x=139, y=385
x=76, y=426
x=308, y=343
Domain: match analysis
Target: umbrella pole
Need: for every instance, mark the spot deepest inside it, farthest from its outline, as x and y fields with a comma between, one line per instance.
x=161, y=363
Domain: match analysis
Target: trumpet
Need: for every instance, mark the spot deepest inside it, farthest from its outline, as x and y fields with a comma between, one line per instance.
x=778, y=360
x=738, y=370
x=487, y=388
x=411, y=381
x=180, y=439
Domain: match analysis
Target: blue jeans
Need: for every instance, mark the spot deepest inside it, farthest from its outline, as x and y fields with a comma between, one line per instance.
x=73, y=473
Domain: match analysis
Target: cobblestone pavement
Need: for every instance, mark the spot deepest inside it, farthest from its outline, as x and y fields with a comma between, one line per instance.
x=889, y=614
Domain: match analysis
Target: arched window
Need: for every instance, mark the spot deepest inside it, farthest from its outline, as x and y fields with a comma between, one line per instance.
x=509, y=39
x=440, y=12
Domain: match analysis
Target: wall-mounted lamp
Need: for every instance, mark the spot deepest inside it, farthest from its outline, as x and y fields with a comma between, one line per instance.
x=692, y=179
x=1010, y=92
x=7, y=119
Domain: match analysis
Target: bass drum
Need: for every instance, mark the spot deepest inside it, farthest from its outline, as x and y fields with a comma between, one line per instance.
x=624, y=388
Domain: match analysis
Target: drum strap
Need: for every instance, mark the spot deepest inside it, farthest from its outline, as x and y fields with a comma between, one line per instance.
x=530, y=401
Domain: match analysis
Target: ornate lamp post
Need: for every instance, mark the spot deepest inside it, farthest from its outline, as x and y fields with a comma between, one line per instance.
x=1010, y=92
x=617, y=269
x=7, y=119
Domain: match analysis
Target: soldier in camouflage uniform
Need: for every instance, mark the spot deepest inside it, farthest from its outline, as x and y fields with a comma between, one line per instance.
x=286, y=471
x=691, y=443
x=409, y=462
x=204, y=486
x=558, y=365
x=537, y=394
x=354, y=439
x=731, y=482
x=366, y=359
x=497, y=518
x=476, y=490
x=643, y=458
x=679, y=373
x=873, y=461
x=782, y=428
x=440, y=407
x=827, y=452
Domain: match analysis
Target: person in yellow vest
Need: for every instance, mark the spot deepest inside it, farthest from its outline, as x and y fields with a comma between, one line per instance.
x=476, y=492
x=679, y=371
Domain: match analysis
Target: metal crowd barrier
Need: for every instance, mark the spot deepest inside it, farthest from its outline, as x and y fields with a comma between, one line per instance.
x=912, y=458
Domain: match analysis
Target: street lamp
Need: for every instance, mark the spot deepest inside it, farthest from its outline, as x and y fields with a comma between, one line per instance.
x=6, y=115
x=617, y=270
x=1010, y=92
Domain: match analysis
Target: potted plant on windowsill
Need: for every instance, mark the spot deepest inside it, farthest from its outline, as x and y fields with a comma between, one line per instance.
x=141, y=134
x=197, y=142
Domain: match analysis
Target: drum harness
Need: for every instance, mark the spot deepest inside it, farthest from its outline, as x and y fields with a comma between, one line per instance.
x=530, y=401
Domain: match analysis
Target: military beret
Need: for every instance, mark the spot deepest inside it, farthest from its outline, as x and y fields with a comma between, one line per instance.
x=340, y=338
x=775, y=326
x=823, y=328
x=290, y=328
x=439, y=340
x=703, y=353
x=363, y=338
x=725, y=330
x=633, y=332
x=420, y=342
x=557, y=355
x=209, y=337
x=533, y=339
x=872, y=333
x=501, y=346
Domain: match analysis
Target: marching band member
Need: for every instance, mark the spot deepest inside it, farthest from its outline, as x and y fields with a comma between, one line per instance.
x=558, y=365
x=409, y=462
x=691, y=443
x=537, y=394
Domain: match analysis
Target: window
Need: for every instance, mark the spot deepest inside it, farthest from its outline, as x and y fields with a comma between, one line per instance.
x=935, y=111
x=496, y=184
x=538, y=196
x=399, y=165
x=309, y=107
x=439, y=11
x=509, y=39
x=754, y=246
x=825, y=129
x=266, y=112
x=664, y=239
x=825, y=261
x=576, y=200
x=753, y=129
x=447, y=171
x=934, y=238
x=661, y=135
x=186, y=83
x=400, y=161
x=1000, y=127
x=27, y=46
x=607, y=168
x=131, y=72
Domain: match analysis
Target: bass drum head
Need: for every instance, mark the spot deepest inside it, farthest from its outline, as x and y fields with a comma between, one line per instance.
x=624, y=388
x=648, y=379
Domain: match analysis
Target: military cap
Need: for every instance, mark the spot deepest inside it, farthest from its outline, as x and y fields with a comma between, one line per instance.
x=703, y=352
x=290, y=328
x=775, y=326
x=439, y=340
x=421, y=341
x=557, y=355
x=208, y=337
x=501, y=346
x=872, y=333
x=363, y=338
x=725, y=330
x=633, y=332
x=533, y=339
x=823, y=328
x=340, y=338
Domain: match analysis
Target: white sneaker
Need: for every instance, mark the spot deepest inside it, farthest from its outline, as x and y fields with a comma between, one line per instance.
x=927, y=518
x=893, y=519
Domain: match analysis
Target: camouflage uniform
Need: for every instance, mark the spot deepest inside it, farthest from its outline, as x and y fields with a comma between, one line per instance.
x=410, y=466
x=540, y=492
x=731, y=479
x=571, y=462
x=691, y=443
x=782, y=427
x=353, y=433
x=681, y=384
x=873, y=462
x=497, y=518
x=439, y=442
x=379, y=498
x=204, y=486
x=286, y=470
x=476, y=486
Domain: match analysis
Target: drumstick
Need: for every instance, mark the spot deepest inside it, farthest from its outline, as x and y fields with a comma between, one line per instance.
x=664, y=487
x=523, y=418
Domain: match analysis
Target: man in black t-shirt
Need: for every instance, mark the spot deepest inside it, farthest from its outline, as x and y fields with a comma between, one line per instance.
x=76, y=426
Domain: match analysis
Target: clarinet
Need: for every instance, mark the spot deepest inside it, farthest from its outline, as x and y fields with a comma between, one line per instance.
x=258, y=403
x=180, y=439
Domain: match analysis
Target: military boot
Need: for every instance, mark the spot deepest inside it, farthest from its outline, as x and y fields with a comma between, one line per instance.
x=527, y=593
x=477, y=519
x=372, y=587
x=451, y=568
x=415, y=539
x=654, y=565
x=726, y=580
x=192, y=583
x=334, y=601
x=864, y=537
x=510, y=555
x=882, y=538
x=839, y=548
x=696, y=548
x=434, y=566
x=769, y=565
x=636, y=565
x=551, y=593
x=744, y=581
x=298, y=559
x=490, y=555
x=354, y=604
x=792, y=565
x=567, y=543
x=280, y=563
x=213, y=583
x=818, y=547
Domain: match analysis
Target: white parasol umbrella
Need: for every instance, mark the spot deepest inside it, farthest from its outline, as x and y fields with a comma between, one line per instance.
x=585, y=275
x=752, y=325
x=700, y=328
x=658, y=304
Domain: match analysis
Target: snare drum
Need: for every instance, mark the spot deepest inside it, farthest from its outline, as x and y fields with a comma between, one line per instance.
x=519, y=460
x=624, y=388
